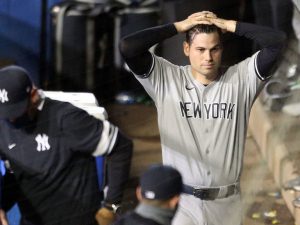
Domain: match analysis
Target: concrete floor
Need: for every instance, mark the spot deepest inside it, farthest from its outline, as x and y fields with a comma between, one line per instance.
x=262, y=200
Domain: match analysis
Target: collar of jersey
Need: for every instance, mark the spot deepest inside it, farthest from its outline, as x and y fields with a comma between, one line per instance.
x=42, y=102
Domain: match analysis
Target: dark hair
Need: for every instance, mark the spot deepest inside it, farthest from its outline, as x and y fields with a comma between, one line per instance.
x=201, y=28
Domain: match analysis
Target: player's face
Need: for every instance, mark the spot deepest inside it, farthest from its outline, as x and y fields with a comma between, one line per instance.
x=205, y=54
x=27, y=116
x=21, y=120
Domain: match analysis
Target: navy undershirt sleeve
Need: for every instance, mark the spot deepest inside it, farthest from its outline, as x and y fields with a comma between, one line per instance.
x=118, y=167
x=271, y=42
x=135, y=47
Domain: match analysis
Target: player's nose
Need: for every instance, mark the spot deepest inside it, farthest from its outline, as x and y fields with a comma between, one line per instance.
x=208, y=55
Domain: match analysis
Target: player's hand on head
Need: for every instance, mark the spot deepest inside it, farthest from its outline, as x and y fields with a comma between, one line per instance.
x=194, y=19
x=224, y=25
x=203, y=15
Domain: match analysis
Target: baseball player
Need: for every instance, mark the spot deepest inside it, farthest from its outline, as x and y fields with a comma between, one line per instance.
x=50, y=148
x=203, y=110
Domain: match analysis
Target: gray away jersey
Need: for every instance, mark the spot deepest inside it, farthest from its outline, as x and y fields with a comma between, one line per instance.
x=203, y=128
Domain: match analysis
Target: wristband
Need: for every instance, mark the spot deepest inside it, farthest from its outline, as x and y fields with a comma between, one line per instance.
x=111, y=206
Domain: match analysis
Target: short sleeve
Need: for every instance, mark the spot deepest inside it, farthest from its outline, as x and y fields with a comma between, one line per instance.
x=157, y=82
x=250, y=77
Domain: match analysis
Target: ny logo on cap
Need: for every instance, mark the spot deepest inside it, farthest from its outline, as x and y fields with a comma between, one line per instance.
x=42, y=142
x=149, y=194
x=3, y=96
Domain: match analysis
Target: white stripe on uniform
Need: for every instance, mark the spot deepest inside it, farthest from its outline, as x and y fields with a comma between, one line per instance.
x=257, y=72
x=107, y=140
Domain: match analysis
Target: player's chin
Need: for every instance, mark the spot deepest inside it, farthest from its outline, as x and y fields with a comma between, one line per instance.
x=209, y=72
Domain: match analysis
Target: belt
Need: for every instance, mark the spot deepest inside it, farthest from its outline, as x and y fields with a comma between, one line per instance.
x=212, y=193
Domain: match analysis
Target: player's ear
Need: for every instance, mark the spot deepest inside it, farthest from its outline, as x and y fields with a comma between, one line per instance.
x=173, y=202
x=186, y=48
x=34, y=95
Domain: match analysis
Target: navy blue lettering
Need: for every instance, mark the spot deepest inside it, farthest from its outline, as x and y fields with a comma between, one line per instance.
x=185, y=109
x=223, y=107
x=215, y=110
x=197, y=110
x=207, y=110
x=230, y=109
x=182, y=108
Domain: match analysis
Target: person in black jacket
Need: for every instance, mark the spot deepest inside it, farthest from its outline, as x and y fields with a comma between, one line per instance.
x=51, y=148
x=158, y=193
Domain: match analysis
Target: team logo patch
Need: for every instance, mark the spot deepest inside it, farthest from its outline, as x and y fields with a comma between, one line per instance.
x=3, y=96
x=42, y=142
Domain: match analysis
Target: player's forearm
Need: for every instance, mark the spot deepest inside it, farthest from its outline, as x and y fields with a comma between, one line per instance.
x=135, y=47
x=139, y=42
x=118, y=167
x=224, y=25
x=271, y=42
x=264, y=36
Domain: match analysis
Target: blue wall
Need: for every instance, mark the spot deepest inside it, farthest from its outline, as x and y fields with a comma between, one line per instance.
x=20, y=33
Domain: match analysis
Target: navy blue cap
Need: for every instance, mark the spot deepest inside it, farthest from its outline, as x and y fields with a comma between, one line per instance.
x=15, y=88
x=161, y=182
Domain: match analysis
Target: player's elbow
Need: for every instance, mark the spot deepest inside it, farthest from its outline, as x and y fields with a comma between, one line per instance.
x=124, y=48
x=127, y=48
x=282, y=37
x=281, y=41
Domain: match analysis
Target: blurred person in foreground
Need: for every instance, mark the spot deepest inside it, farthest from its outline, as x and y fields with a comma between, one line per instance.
x=158, y=194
